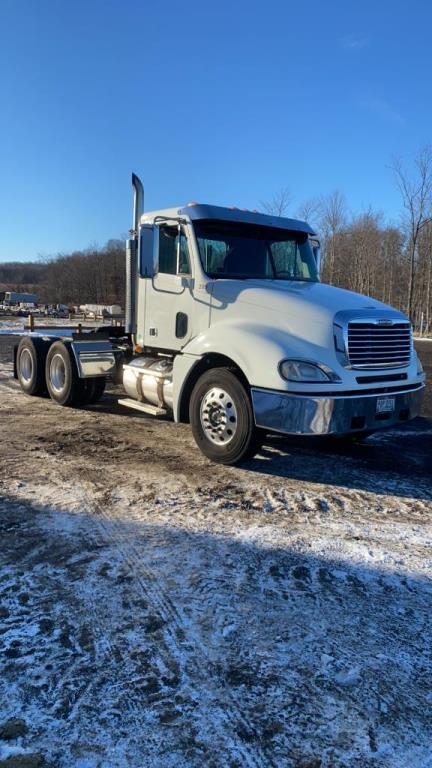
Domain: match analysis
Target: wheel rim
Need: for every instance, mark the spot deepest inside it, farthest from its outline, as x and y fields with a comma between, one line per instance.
x=218, y=416
x=26, y=365
x=57, y=373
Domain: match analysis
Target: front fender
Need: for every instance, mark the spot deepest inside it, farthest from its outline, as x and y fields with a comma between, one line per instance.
x=255, y=348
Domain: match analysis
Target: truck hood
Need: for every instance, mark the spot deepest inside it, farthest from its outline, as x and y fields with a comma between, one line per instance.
x=292, y=301
x=258, y=323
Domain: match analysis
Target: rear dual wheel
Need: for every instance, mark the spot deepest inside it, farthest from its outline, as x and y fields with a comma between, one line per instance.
x=61, y=375
x=63, y=383
x=42, y=366
x=30, y=365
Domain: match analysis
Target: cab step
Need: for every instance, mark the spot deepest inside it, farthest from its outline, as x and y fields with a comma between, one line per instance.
x=128, y=402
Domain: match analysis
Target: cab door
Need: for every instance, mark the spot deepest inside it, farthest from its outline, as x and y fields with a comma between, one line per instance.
x=169, y=297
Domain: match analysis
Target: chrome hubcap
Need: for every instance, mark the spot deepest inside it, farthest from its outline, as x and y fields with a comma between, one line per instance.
x=218, y=416
x=26, y=365
x=57, y=373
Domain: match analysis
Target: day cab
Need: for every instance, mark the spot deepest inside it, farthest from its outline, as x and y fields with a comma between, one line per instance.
x=229, y=328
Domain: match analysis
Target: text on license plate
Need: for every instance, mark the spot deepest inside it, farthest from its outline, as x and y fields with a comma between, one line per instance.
x=385, y=404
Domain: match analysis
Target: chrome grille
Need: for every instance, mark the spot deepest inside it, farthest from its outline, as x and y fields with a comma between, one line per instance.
x=372, y=344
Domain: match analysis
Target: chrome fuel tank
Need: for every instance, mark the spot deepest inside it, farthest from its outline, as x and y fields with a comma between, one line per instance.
x=149, y=380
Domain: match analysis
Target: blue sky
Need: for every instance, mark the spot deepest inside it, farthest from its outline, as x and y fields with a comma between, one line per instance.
x=223, y=102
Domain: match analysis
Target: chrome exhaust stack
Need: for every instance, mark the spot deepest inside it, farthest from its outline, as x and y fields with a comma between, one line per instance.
x=132, y=256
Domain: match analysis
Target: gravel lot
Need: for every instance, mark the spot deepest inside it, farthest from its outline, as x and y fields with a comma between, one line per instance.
x=159, y=610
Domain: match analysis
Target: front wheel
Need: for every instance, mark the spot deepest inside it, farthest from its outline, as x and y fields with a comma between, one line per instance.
x=221, y=417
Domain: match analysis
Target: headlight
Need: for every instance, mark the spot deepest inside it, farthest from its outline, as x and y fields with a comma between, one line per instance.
x=307, y=371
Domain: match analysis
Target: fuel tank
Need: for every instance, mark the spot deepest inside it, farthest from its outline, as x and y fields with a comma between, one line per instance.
x=149, y=380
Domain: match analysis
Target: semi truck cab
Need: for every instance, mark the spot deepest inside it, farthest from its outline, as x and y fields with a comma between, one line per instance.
x=229, y=328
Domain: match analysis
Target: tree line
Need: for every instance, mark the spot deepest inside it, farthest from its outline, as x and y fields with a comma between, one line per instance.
x=361, y=252
x=92, y=276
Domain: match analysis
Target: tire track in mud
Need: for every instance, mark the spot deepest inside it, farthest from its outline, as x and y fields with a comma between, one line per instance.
x=61, y=685
x=100, y=501
x=111, y=530
x=174, y=620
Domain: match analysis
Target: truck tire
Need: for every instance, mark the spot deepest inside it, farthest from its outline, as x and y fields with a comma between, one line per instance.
x=62, y=380
x=221, y=417
x=30, y=365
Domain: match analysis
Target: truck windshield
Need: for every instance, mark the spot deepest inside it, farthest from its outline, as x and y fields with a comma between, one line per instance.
x=238, y=250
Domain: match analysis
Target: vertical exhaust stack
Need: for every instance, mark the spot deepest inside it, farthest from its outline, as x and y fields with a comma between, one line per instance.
x=132, y=257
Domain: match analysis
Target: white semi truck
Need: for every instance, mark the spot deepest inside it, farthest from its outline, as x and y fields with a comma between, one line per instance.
x=229, y=328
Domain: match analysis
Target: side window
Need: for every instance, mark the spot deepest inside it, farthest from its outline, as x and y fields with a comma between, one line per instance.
x=168, y=250
x=168, y=244
x=213, y=253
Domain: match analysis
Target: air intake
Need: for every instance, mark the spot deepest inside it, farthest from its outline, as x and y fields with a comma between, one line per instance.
x=379, y=344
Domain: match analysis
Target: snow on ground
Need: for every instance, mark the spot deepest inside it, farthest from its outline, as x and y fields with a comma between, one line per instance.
x=158, y=610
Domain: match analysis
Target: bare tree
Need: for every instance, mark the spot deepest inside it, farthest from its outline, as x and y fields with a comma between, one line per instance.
x=309, y=210
x=333, y=219
x=422, y=294
x=391, y=257
x=279, y=204
x=416, y=193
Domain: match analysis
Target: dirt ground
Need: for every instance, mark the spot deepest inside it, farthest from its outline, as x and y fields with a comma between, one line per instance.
x=157, y=610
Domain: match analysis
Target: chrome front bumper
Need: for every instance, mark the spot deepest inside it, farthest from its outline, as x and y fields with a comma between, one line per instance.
x=338, y=415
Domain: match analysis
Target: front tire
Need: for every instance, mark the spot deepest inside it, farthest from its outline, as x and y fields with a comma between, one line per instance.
x=221, y=417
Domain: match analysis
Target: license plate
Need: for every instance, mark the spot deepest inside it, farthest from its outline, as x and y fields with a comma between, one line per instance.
x=385, y=404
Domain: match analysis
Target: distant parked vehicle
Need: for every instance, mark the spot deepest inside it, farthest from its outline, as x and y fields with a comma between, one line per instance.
x=96, y=311
x=14, y=297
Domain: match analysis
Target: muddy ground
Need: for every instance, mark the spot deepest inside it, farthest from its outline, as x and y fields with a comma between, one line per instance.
x=159, y=610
